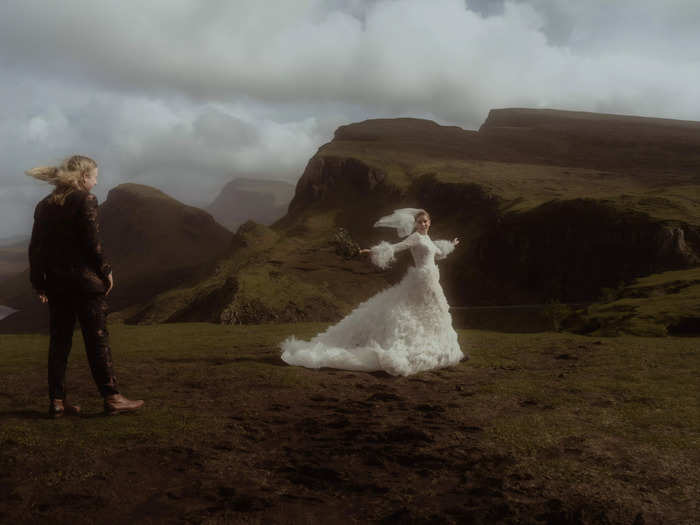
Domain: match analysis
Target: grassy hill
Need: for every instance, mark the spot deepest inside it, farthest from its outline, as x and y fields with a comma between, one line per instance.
x=155, y=241
x=545, y=206
x=551, y=206
x=269, y=277
x=13, y=259
x=534, y=428
x=535, y=230
x=656, y=305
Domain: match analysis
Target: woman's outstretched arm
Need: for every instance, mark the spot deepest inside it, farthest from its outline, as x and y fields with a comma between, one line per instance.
x=382, y=254
x=445, y=247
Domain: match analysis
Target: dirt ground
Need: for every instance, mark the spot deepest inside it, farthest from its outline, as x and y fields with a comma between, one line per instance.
x=533, y=429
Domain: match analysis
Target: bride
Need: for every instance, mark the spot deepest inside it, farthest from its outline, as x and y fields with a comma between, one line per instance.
x=402, y=330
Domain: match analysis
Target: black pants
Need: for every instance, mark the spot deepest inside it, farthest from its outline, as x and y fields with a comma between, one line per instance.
x=91, y=311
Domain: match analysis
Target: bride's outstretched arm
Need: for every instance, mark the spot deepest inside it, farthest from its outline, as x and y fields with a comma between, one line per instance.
x=445, y=247
x=382, y=254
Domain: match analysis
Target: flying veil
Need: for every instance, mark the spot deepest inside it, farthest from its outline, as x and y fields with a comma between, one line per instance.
x=401, y=220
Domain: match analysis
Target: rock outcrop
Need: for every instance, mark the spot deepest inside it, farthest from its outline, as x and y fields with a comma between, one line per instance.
x=545, y=206
x=527, y=193
x=155, y=242
x=594, y=140
x=551, y=206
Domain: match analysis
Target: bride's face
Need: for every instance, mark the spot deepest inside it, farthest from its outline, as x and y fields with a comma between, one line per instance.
x=423, y=224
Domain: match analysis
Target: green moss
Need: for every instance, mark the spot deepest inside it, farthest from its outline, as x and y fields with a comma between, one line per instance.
x=255, y=240
x=394, y=164
x=525, y=186
x=264, y=284
x=665, y=278
x=266, y=294
x=651, y=306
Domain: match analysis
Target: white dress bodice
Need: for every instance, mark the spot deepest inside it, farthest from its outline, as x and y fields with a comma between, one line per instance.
x=423, y=251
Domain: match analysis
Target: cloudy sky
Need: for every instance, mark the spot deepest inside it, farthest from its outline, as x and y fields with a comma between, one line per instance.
x=185, y=95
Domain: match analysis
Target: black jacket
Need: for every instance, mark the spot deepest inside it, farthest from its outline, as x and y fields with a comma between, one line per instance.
x=65, y=253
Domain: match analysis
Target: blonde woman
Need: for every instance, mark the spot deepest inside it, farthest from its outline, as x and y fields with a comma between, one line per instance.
x=69, y=271
x=402, y=330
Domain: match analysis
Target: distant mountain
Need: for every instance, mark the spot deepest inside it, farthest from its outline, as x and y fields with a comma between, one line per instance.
x=5, y=311
x=153, y=242
x=13, y=258
x=156, y=242
x=13, y=239
x=241, y=200
x=549, y=205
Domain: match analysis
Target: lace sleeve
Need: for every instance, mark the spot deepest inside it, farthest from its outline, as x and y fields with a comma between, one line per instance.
x=444, y=248
x=382, y=254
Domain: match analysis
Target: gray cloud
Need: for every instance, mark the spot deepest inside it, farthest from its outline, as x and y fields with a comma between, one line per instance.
x=188, y=150
x=399, y=54
x=184, y=95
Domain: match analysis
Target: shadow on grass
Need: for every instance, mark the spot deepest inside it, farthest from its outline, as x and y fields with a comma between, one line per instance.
x=7, y=415
x=102, y=414
x=272, y=360
x=379, y=374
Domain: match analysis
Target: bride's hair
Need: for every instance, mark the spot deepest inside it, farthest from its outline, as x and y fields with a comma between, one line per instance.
x=421, y=214
x=68, y=177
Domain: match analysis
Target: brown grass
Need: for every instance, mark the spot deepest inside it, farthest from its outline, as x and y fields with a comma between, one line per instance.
x=534, y=428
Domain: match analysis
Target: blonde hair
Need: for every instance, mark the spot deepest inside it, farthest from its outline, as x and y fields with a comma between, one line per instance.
x=68, y=177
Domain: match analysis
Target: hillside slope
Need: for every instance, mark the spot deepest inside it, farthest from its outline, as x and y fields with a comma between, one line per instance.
x=656, y=305
x=550, y=205
x=13, y=259
x=153, y=242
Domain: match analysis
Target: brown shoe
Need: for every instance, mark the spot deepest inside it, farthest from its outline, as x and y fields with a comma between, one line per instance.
x=118, y=404
x=59, y=407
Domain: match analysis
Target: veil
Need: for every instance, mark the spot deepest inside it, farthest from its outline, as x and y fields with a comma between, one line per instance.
x=401, y=220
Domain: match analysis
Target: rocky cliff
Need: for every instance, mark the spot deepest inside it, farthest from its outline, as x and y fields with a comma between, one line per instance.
x=550, y=205
x=614, y=142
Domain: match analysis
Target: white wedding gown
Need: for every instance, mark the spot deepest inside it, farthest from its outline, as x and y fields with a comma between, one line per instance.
x=402, y=330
